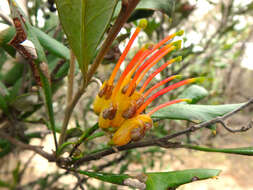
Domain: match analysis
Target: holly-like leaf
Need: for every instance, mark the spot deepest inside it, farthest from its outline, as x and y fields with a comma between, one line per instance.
x=171, y=180
x=84, y=23
x=194, y=113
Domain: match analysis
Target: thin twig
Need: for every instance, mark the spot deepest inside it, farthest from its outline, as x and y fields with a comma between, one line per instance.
x=69, y=95
x=71, y=76
x=69, y=109
x=220, y=28
x=6, y=18
x=21, y=174
x=56, y=69
x=112, y=162
x=241, y=129
x=80, y=181
x=163, y=142
x=84, y=136
x=37, y=149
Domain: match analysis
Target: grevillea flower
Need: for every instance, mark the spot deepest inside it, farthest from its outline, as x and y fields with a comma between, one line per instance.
x=120, y=105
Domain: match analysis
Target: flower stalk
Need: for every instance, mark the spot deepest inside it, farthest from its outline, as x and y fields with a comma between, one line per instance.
x=121, y=107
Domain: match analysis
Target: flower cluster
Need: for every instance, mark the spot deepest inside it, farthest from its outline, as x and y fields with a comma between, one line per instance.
x=121, y=106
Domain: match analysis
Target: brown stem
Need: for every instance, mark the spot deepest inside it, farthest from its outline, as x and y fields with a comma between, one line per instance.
x=71, y=77
x=37, y=149
x=69, y=110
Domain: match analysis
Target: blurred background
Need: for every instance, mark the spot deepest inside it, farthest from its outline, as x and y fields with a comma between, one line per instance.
x=217, y=44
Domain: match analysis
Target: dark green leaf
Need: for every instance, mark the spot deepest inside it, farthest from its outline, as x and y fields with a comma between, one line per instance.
x=62, y=147
x=5, y=36
x=146, y=8
x=25, y=102
x=16, y=11
x=3, y=90
x=38, y=135
x=87, y=133
x=84, y=23
x=15, y=89
x=3, y=104
x=16, y=174
x=194, y=113
x=195, y=93
x=73, y=132
x=242, y=151
x=5, y=147
x=96, y=135
x=48, y=43
x=52, y=45
x=140, y=13
x=3, y=59
x=166, y=6
x=4, y=184
x=166, y=180
x=107, y=177
x=63, y=71
x=14, y=74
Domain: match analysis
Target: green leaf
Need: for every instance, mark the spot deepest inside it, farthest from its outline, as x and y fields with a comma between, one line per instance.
x=165, y=6
x=15, y=89
x=166, y=180
x=62, y=147
x=5, y=147
x=16, y=11
x=96, y=135
x=5, y=36
x=146, y=8
x=4, y=184
x=4, y=90
x=48, y=43
x=242, y=151
x=194, y=113
x=84, y=23
x=3, y=102
x=52, y=45
x=87, y=133
x=73, y=132
x=107, y=177
x=195, y=93
x=16, y=174
x=3, y=59
x=14, y=74
x=25, y=102
x=140, y=13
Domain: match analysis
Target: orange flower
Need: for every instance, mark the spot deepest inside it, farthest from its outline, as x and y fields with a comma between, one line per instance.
x=120, y=106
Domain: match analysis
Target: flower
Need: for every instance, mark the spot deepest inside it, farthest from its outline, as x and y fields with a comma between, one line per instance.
x=120, y=106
